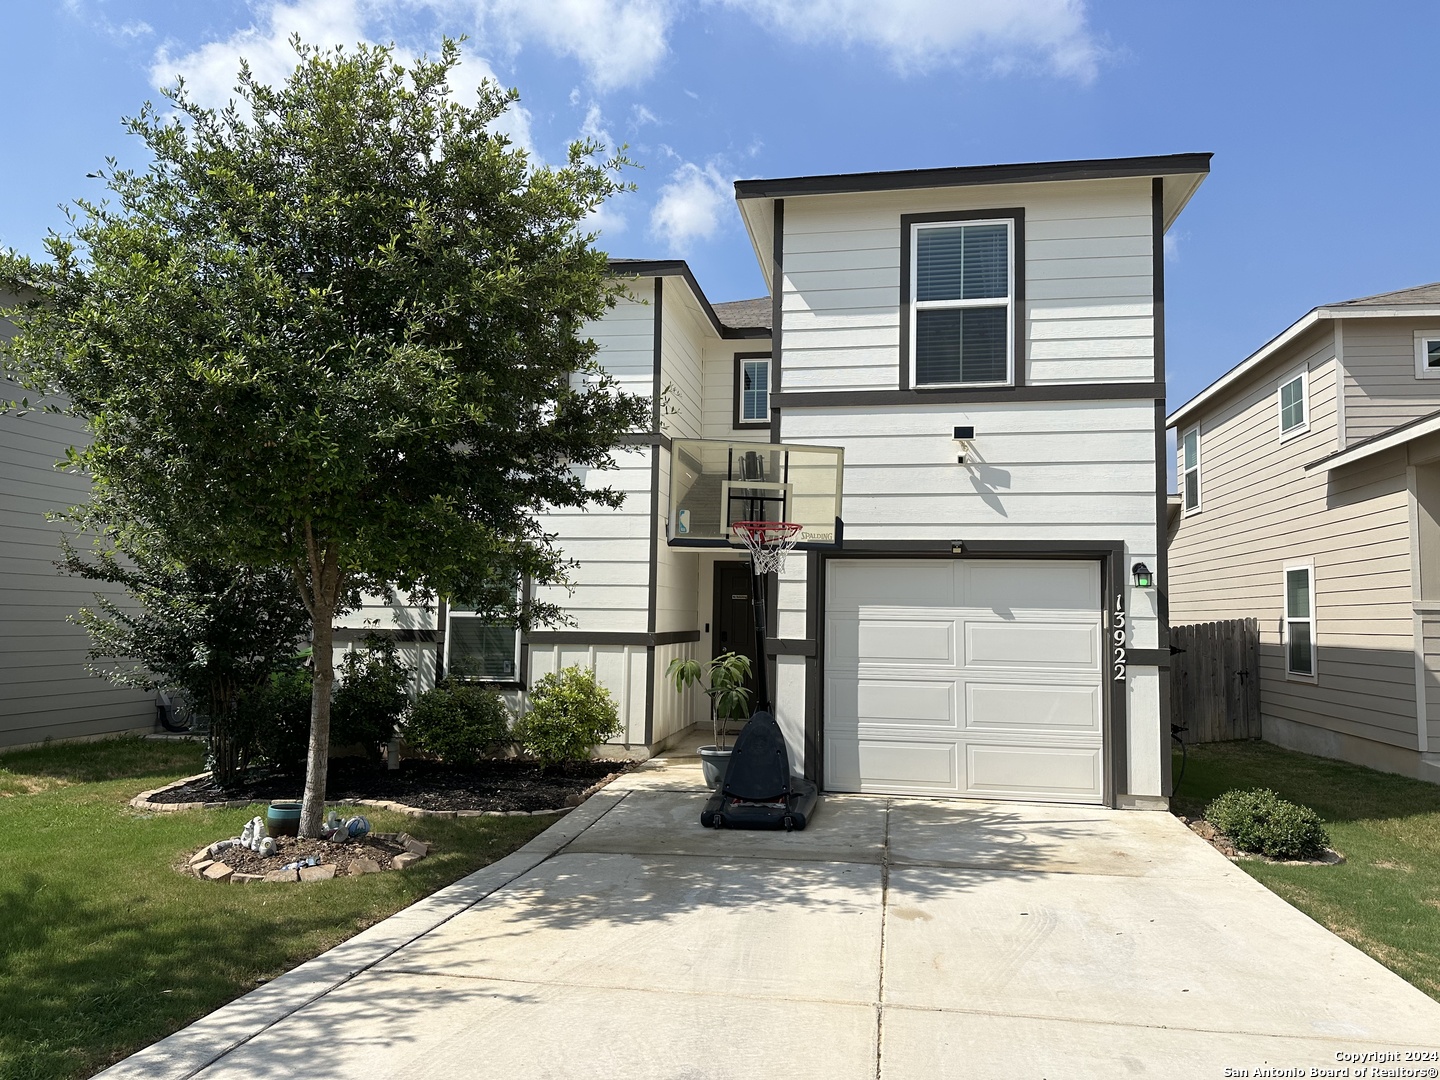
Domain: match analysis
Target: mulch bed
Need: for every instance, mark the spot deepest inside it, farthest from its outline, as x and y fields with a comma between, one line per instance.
x=292, y=849
x=508, y=785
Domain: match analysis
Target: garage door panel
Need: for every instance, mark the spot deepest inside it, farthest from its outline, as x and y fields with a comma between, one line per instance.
x=1030, y=772
x=1050, y=586
x=1020, y=708
x=987, y=684
x=1032, y=645
x=903, y=584
x=866, y=764
x=891, y=641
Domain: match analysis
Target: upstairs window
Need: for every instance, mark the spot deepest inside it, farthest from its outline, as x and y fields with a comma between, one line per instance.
x=1427, y=354
x=1300, y=621
x=752, y=390
x=1294, y=406
x=962, y=309
x=1190, y=451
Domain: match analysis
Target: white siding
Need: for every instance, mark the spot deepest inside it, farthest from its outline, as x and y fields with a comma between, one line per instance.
x=1089, y=314
x=621, y=669
x=719, y=360
x=47, y=692
x=683, y=331
x=1381, y=390
x=1262, y=510
x=674, y=712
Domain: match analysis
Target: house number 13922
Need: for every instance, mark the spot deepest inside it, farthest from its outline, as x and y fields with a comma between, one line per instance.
x=1117, y=638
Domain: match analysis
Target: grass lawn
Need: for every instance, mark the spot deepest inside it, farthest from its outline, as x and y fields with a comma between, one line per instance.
x=104, y=948
x=1385, y=899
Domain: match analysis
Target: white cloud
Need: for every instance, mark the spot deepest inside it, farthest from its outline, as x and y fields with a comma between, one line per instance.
x=210, y=70
x=619, y=42
x=1172, y=246
x=640, y=116
x=1001, y=36
x=691, y=205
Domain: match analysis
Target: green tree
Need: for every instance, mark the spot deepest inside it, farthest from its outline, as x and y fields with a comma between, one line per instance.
x=335, y=328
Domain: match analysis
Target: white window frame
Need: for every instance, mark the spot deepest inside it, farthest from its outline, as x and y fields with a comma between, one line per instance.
x=917, y=305
x=755, y=421
x=1286, y=434
x=516, y=679
x=1308, y=566
x=1199, y=494
x=1422, y=338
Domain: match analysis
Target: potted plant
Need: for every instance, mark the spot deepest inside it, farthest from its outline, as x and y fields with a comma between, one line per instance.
x=723, y=680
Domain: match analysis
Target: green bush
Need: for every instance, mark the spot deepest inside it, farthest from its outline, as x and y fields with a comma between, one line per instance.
x=570, y=713
x=458, y=723
x=282, y=720
x=1260, y=821
x=370, y=696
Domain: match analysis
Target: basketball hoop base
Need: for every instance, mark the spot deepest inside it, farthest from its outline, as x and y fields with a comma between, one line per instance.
x=758, y=790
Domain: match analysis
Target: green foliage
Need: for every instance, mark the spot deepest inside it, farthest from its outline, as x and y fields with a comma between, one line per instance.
x=1260, y=821
x=335, y=328
x=283, y=720
x=372, y=696
x=458, y=723
x=570, y=713
x=723, y=681
x=215, y=631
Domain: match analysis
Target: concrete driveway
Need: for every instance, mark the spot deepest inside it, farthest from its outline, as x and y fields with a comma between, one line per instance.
x=896, y=938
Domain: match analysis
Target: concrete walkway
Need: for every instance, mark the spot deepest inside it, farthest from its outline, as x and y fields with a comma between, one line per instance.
x=896, y=938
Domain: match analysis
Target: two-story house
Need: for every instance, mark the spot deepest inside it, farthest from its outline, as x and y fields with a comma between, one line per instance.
x=986, y=344
x=1309, y=499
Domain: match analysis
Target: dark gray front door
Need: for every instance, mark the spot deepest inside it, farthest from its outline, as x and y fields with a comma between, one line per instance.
x=734, y=621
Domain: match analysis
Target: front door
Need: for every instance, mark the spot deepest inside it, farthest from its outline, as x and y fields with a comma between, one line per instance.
x=734, y=620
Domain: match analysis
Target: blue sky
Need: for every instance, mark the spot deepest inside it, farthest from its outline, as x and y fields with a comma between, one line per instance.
x=1321, y=116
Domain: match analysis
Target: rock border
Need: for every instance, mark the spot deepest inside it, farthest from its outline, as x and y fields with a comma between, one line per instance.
x=206, y=864
x=142, y=802
x=1221, y=843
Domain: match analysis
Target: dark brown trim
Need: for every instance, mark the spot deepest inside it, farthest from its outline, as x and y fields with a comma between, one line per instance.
x=649, y=695
x=1111, y=555
x=656, y=268
x=777, y=314
x=644, y=438
x=401, y=634
x=970, y=175
x=814, y=668
x=657, y=384
x=789, y=646
x=841, y=399
x=1162, y=486
x=738, y=380
x=609, y=637
x=1016, y=214
x=1159, y=658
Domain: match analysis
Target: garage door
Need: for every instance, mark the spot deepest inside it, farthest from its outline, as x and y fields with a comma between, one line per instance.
x=964, y=677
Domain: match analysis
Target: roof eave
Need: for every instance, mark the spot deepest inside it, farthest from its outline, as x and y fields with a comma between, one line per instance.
x=1379, y=444
x=642, y=268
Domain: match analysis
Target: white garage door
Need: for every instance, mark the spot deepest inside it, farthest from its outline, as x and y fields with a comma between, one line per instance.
x=964, y=677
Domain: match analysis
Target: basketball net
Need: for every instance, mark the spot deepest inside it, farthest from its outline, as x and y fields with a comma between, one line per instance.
x=768, y=542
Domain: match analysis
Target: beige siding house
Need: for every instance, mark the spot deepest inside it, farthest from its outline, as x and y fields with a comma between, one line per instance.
x=47, y=693
x=1309, y=481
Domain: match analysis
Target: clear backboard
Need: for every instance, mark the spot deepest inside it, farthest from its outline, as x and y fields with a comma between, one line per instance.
x=715, y=483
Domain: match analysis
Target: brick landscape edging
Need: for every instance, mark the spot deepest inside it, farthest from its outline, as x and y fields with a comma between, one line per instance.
x=142, y=802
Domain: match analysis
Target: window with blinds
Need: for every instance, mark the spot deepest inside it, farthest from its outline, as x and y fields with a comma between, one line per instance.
x=481, y=650
x=961, y=313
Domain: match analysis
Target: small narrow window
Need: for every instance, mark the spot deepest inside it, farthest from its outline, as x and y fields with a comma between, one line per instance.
x=481, y=650
x=1294, y=412
x=1300, y=621
x=1191, y=451
x=1427, y=354
x=752, y=390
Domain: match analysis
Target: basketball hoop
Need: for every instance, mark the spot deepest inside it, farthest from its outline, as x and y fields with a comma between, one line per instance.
x=768, y=542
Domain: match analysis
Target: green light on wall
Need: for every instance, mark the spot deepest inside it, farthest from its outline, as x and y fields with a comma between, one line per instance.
x=1143, y=580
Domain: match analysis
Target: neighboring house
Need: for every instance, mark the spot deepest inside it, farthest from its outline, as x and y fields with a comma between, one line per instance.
x=45, y=691
x=1310, y=499
x=978, y=632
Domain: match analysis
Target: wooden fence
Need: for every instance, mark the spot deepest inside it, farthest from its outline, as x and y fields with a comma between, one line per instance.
x=1215, y=680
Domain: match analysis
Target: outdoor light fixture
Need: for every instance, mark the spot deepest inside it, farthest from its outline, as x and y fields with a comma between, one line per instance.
x=1143, y=580
x=963, y=435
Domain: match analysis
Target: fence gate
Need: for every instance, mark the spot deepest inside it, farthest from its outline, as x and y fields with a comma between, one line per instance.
x=1215, y=680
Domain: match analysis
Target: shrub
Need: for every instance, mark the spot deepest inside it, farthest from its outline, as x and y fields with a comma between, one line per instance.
x=282, y=722
x=570, y=713
x=371, y=696
x=1260, y=821
x=458, y=723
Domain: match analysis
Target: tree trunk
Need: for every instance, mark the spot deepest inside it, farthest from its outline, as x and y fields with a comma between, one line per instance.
x=317, y=765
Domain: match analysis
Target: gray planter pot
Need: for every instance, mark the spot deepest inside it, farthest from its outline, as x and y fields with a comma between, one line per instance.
x=714, y=761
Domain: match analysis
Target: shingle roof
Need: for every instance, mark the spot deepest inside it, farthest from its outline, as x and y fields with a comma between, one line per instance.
x=743, y=314
x=1418, y=295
